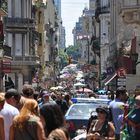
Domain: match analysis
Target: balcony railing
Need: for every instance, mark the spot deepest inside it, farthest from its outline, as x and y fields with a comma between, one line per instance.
x=128, y=5
x=104, y=9
x=19, y=22
x=26, y=60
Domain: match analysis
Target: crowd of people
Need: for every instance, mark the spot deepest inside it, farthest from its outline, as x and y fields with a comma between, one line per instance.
x=32, y=115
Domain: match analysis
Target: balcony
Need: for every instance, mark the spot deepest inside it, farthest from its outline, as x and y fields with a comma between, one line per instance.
x=105, y=9
x=130, y=4
x=11, y=22
x=130, y=11
x=26, y=60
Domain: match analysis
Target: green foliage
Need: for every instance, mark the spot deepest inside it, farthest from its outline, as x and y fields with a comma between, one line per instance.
x=73, y=52
x=63, y=58
x=72, y=49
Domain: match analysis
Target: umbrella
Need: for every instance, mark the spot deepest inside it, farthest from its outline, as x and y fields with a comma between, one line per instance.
x=79, y=84
x=65, y=76
x=57, y=88
x=85, y=90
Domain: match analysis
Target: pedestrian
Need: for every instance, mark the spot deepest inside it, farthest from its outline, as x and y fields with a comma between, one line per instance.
x=12, y=97
x=131, y=129
x=116, y=107
x=67, y=98
x=52, y=117
x=46, y=98
x=9, y=110
x=101, y=128
x=27, y=125
x=2, y=134
x=62, y=103
x=28, y=91
x=59, y=134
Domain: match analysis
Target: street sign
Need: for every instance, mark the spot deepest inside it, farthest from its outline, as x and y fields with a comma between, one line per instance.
x=6, y=66
x=121, y=81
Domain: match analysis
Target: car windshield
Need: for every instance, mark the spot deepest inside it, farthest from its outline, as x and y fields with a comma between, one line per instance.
x=83, y=109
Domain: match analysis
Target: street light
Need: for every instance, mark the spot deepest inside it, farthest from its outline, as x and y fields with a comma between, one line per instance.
x=1, y=70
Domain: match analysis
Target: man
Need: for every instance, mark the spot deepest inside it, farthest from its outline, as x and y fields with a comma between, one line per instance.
x=9, y=110
x=2, y=101
x=28, y=91
x=62, y=103
x=12, y=97
x=117, y=111
x=46, y=98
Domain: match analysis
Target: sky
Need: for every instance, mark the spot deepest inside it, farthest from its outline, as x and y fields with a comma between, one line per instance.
x=71, y=10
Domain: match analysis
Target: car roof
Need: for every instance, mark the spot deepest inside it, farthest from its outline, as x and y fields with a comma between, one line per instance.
x=90, y=100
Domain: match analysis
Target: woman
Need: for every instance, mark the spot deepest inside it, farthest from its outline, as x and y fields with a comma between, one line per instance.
x=101, y=129
x=27, y=125
x=59, y=134
x=52, y=117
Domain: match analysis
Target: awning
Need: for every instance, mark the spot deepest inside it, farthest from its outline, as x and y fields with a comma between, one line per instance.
x=109, y=78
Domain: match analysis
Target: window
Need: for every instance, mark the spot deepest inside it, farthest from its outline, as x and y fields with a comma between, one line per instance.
x=18, y=45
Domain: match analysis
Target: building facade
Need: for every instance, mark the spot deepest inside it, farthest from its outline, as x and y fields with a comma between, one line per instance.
x=19, y=30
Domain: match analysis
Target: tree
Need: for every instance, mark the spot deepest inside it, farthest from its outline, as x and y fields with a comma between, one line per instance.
x=73, y=52
x=63, y=58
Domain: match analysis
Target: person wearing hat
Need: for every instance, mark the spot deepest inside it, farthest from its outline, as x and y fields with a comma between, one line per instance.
x=9, y=110
x=46, y=98
x=12, y=97
x=101, y=129
x=133, y=119
x=117, y=111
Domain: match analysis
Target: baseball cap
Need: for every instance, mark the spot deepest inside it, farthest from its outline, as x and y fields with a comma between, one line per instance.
x=45, y=93
x=11, y=92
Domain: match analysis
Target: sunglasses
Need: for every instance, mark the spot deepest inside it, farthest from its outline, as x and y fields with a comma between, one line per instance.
x=100, y=111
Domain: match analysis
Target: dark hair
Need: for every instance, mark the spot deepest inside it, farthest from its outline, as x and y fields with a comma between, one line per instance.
x=53, y=117
x=120, y=92
x=28, y=90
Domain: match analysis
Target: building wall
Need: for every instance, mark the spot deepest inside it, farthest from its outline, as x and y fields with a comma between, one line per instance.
x=49, y=19
x=125, y=26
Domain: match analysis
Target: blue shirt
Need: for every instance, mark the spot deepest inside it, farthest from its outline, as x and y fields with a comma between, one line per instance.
x=117, y=113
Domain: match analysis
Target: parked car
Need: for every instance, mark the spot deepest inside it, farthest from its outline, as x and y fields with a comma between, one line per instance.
x=78, y=115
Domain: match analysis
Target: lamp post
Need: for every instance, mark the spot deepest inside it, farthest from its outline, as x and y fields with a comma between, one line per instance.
x=1, y=68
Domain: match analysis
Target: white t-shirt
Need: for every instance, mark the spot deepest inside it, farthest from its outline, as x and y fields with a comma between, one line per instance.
x=8, y=112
